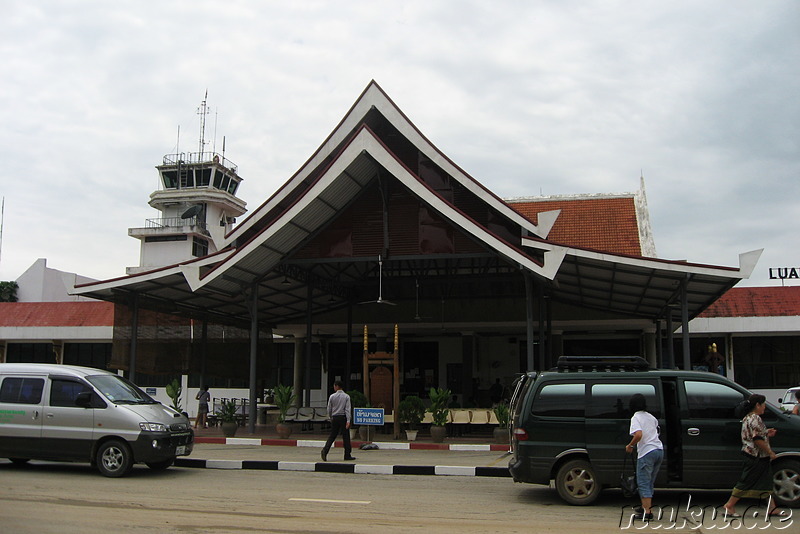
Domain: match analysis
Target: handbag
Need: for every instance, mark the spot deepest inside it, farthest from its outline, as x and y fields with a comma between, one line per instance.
x=627, y=482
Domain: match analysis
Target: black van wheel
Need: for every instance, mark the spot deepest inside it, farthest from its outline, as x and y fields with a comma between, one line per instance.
x=114, y=459
x=787, y=482
x=19, y=461
x=160, y=466
x=576, y=482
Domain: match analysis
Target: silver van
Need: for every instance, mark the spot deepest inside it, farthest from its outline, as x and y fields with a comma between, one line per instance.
x=80, y=414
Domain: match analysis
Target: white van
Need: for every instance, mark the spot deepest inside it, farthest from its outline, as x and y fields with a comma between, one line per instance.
x=79, y=414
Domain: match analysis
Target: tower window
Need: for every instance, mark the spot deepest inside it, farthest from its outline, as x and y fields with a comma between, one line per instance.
x=199, y=247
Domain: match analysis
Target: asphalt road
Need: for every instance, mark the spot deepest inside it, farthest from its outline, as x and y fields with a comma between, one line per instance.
x=49, y=497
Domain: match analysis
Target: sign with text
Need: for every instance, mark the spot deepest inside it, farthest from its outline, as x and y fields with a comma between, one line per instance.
x=368, y=416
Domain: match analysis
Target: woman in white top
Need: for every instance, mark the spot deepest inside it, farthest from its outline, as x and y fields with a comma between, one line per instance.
x=650, y=451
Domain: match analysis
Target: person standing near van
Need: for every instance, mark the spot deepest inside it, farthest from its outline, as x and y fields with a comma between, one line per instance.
x=796, y=409
x=755, y=481
x=339, y=410
x=650, y=451
x=202, y=408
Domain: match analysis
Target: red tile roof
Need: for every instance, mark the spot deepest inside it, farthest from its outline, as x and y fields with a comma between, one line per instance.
x=31, y=314
x=604, y=224
x=756, y=302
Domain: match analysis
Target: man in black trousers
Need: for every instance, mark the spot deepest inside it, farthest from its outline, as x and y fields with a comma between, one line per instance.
x=339, y=414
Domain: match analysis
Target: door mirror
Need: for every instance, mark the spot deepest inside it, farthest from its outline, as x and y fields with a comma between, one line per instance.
x=84, y=399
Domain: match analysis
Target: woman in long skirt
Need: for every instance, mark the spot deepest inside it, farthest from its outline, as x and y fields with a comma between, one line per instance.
x=755, y=481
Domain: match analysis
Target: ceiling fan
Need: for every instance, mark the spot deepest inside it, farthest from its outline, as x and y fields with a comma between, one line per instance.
x=380, y=287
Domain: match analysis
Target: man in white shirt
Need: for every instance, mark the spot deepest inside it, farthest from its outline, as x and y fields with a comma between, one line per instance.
x=339, y=411
x=650, y=451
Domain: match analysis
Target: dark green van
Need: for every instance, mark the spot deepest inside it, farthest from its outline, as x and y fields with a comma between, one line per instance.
x=570, y=425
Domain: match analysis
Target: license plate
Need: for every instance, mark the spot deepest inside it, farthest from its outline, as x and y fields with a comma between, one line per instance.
x=180, y=449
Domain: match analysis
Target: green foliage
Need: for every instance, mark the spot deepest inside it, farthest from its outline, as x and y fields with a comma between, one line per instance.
x=503, y=414
x=8, y=291
x=358, y=399
x=411, y=410
x=284, y=399
x=440, y=398
x=227, y=411
x=174, y=390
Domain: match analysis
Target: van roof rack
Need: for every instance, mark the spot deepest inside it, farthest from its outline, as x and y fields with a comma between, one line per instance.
x=602, y=363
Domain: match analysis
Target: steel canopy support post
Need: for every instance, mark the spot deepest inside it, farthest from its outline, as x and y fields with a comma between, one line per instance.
x=134, y=338
x=670, y=360
x=687, y=357
x=309, y=346
x=529, y=318
x=253, y=412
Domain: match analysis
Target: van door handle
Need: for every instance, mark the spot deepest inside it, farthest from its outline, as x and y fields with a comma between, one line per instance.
x=694, y=431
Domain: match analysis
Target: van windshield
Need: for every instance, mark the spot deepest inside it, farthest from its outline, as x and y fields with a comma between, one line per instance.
x=120, y=391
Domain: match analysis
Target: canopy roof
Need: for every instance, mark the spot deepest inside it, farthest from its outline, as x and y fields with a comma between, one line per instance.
x=377, y=189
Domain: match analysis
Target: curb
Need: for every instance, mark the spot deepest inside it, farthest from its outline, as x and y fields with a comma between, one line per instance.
x=356, y=444
x=333, y=467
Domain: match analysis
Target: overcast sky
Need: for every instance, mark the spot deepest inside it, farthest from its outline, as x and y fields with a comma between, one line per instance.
x=528, y=97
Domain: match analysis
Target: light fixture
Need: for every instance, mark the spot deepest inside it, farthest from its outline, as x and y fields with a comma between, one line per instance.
x=286, y=282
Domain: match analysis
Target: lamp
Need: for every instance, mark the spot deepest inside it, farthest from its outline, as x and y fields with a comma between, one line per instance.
x=286, y=282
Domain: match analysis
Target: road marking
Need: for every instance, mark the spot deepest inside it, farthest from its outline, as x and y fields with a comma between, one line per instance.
x=336, y=501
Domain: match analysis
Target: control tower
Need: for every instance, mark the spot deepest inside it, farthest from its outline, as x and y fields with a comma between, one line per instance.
x=198, y=204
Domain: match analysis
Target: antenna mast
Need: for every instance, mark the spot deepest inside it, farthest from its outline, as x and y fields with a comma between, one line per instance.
x=2, y=217
x=203, y=111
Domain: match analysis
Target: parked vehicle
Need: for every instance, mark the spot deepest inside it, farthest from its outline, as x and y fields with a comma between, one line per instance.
x=70, y=413
x=571, y=425
x=789, y=399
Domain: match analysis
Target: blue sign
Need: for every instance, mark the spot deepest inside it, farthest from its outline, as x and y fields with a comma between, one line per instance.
x=368, y=416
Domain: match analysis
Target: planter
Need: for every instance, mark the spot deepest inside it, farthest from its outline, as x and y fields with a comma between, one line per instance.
x=284, y=430
x=411, y=435
x=229, y=428
x=500, y=435
x=438, y=433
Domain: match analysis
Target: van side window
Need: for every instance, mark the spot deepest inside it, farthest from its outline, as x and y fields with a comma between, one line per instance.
x=64, y=392
x=22, y=390
x=560, y=400
x=709, y=400
x=610, y=401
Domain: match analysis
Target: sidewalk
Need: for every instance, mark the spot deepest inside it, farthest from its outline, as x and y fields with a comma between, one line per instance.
x=463, y=456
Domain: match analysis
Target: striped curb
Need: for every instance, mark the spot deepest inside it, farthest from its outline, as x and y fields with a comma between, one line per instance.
x=386, y=445
x=334, y=467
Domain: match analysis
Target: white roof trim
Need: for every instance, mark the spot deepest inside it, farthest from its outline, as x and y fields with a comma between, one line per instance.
x=365, y=141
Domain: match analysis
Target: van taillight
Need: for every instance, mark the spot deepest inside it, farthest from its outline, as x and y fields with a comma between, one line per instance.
x=520, y=434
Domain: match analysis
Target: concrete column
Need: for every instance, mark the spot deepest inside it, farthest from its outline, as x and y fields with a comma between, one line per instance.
x=299, y=350
x=649, y=342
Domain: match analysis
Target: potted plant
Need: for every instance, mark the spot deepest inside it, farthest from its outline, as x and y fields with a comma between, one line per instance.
x=410, y=411
x=227, y=416
x=269, y=396
x=503, y=414
x=440, y=398
x=174, y=390
x=284, y=399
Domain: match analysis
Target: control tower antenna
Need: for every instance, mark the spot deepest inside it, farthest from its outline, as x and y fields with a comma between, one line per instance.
x=2, y=216
x=203, y=111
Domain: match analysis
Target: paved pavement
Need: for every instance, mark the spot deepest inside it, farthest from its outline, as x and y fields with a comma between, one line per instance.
x=455, y=457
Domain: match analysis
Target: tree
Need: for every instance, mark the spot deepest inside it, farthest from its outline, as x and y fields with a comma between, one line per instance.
x=8, y=291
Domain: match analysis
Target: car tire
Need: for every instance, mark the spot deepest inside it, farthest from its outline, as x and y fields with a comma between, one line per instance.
x=576, y=482
x=114, y=459
x=20, y=461
x=786, y=477
x=160, y=466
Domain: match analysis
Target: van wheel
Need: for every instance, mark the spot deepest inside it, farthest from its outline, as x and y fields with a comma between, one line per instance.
x=114, y=459
x=19, y=461
x=160, y=466
x=787, y=483
x=576, y=482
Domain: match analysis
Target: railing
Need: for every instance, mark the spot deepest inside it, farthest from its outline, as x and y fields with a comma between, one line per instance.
x=193, y=158
x=174, y=222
